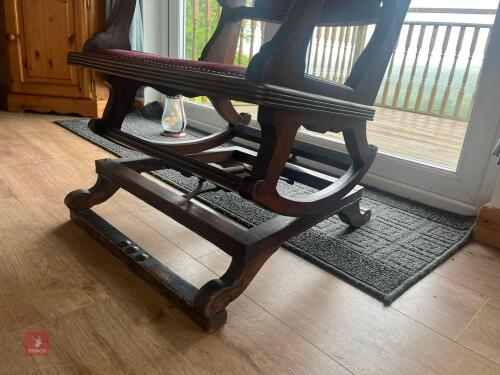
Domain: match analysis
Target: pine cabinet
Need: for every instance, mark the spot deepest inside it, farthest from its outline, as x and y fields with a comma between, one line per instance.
x=38, y=36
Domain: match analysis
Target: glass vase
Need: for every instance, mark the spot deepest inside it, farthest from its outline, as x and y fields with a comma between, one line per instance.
x=173, y=120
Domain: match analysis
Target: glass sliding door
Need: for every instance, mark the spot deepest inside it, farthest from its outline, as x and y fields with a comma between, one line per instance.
x=427, y=96
x=433, y=126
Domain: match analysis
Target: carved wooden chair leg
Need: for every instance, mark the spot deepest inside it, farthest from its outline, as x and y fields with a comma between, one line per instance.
x=121, y=100
x=213, y=298
x=275, y=81
x=279, y=129
x=357, y=145
x=360, y=151
x=354, y=216
x=85, y=199
x=227, y=111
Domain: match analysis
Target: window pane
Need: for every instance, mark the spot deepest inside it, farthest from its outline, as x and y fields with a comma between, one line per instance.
x=202, y=17
x=429, y=89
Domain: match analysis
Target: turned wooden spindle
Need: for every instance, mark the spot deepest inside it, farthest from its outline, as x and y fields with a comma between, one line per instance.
x=465, y=79
x=423, y=82
x=437, y=78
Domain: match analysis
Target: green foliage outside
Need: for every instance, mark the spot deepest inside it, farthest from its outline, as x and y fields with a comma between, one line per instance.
x=201, y=30
x=201, y=26
x=202, y=33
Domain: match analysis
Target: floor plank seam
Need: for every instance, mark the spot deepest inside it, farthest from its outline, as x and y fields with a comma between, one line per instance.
x=207, y=255
x=481, y=308
x=265, y=310
x=480, y=293
x=450, y=339
x=35, y=327
x=422, y=324
x=159, y=233
x=308, y=340
x=298, y=334
x=289, y=327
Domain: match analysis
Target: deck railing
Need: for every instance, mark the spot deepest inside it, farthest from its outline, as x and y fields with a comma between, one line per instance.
x=434, y=69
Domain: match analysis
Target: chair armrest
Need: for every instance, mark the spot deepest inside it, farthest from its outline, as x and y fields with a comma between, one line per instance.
x=368, y=72
x=281, y=61
x=221, y=48
x=328, y=88
x=115, y=34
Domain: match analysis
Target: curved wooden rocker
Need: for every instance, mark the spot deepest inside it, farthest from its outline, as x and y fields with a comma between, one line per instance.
x=287, y=100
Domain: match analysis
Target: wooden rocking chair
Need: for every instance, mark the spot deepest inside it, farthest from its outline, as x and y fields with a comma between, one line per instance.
x=287, y=100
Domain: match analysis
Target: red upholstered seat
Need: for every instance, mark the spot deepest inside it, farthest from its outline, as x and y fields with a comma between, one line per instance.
x=219, y=81
x=209, y=67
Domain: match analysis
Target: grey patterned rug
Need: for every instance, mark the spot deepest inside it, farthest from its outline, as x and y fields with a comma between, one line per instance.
x=403, y=242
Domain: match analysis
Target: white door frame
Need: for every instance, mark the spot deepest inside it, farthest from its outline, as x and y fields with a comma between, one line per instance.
x=163, y=32
x=477, y=169
x=463, y=191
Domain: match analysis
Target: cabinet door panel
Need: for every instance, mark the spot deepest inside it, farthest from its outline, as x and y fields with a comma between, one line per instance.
x=48, y=38
x=46, y=30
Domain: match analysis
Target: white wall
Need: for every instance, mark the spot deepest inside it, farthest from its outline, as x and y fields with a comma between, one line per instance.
x=155, y=36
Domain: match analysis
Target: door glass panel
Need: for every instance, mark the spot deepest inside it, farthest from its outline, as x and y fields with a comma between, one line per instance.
x=201, y=21
x=426, y=97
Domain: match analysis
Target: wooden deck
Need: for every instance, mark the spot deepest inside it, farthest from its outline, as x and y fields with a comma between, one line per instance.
x=426, y=139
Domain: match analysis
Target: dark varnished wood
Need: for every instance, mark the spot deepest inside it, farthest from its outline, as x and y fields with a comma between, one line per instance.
x=221, y=48
x=354, y=216
x=187, y=83
x=116, y=30
x=167, y=282
x=287, y=99
x=249, y=248
x=288, y=47
x=333, y=13
x=84, y=199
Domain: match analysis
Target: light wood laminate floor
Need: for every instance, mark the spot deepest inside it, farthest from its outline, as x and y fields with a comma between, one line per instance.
x=294, y=318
